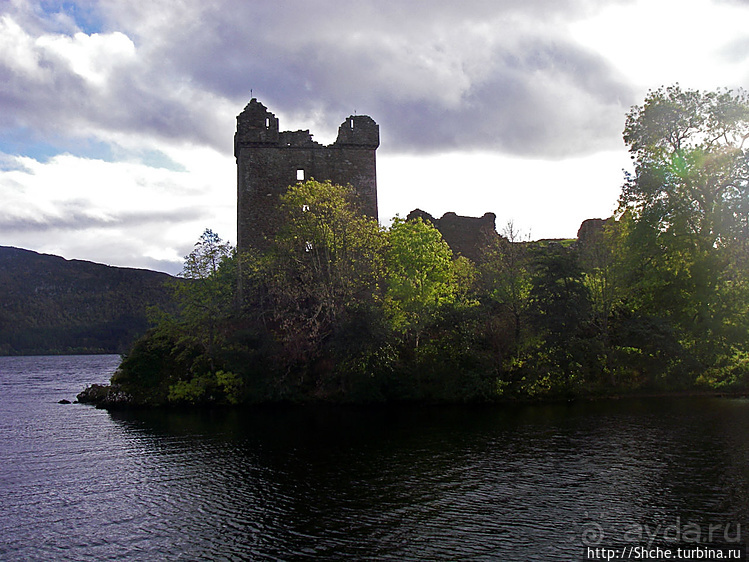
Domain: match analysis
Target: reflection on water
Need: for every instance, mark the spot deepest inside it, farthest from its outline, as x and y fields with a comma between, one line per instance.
x=458, y=483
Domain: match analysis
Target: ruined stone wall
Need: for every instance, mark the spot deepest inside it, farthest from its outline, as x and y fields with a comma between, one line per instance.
x=591, y=231
x=466, y=236
x=268, y=161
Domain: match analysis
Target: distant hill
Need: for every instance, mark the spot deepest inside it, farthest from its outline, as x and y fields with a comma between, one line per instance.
x=50, y=305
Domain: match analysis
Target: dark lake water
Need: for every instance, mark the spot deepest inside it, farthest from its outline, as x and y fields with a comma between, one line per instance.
x=457, y=483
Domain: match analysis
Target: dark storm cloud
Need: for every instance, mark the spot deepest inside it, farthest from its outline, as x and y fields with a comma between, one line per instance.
x=546, y=99
x=469, y=75
x=136, y=99
x=483, y=75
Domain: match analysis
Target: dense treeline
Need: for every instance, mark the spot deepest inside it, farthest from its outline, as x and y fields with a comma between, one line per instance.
x=337, y=308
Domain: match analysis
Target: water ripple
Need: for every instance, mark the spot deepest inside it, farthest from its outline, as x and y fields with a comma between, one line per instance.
x=323, y=484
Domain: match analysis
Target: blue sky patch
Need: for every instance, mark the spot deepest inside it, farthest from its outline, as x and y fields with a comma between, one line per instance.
x=19, y=142
x=157, y=159
x=84, y=14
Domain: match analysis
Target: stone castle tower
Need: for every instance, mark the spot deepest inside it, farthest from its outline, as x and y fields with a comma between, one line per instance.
x=268, y=161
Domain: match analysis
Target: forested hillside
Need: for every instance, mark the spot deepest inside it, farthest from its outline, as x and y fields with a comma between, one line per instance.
x=52, y=305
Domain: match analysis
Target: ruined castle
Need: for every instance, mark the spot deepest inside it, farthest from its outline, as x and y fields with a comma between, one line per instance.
x=269, y=160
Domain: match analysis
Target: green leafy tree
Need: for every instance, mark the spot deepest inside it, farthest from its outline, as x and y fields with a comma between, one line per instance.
x=688, y=199
x=322, y=268
x=429, y=302
x=602, y=256
x=177, y=360
x=506, y=279
x=420, y=276
x=331, y=243
x=205, y=299
x=691, y=167
x=559, y=356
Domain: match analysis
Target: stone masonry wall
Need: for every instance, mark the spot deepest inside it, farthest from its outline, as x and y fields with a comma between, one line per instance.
x=466, y=236
x=268, y=161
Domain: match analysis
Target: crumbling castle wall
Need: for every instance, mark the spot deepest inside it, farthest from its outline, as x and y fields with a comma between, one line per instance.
x=466, y=236
x=591, y=231
x=269, y=160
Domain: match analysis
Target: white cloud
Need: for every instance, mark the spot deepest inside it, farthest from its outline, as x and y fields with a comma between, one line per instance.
x=661, y=42
x=101, y=86
x=546, y=199
x=85, y=208
x=460, y=89
x=17, y=50
x=40, y=58
x=93, y=57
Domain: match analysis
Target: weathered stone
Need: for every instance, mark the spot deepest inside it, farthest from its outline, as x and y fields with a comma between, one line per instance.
x=105, y=396
x=591, y=228
x=466, y=236
x=269, y=161
x=591, y=232
x=93, y=394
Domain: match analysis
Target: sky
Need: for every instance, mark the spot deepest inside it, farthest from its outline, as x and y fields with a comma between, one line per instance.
x=117, y=117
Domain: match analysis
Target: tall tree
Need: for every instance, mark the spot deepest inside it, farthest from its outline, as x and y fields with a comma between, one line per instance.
x=505, y=275
x=206, y=297
x=560, y=300
x=691, y=168
x=688, y=199
x=420, y=275
x=323, y=265
x=180, y=359
x=554, y=356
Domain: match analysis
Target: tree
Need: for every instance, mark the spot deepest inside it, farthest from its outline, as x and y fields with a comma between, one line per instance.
x=506, y=277
x=209, y=253
x=688, y=200
x=177, y=361
x=559, y=298
x=419, y=275
x=330, y=243
x=691, y=168
x=322, y=267
x=601, y=257
x=556, y=355
x=206, y=296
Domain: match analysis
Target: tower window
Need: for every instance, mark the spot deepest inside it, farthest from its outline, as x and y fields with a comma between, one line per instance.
x=267, y=122
x=352, y=123
x=300, y=175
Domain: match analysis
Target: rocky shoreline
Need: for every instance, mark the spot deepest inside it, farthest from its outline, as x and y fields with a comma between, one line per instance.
x=111, y=397
x=105, y=396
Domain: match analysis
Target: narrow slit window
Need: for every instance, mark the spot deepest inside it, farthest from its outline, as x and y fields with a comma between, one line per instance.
x=352, y=123
x=267, y=122
x=300, y=175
